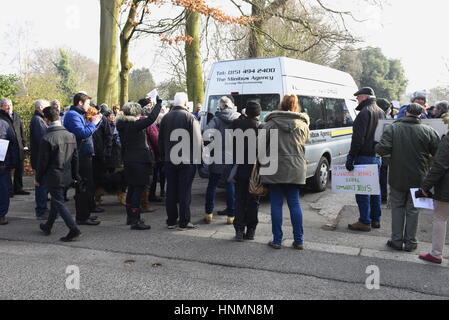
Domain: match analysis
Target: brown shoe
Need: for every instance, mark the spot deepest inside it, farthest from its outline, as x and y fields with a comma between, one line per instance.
x=3, y=221
x=358, y=226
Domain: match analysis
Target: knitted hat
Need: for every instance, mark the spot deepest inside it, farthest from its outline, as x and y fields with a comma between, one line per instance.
x=253, y=109
x=419, y=94
x=414, y=109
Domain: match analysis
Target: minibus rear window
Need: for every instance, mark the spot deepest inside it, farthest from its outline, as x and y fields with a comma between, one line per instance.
x=268, y=102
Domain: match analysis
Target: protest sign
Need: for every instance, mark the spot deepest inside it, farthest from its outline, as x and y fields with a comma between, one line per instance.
x=437, y=124
x=364, y=180
x=3, y=149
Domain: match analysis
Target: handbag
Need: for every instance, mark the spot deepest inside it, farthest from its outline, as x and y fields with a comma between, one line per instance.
x=255, y=182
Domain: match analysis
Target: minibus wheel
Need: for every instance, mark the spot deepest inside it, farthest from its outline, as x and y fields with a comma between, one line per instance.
x=319, y=181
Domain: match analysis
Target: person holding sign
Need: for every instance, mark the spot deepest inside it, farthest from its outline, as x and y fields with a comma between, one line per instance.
x=438, y=178
x=9, y=156
x=362, y=152
x=410, y=144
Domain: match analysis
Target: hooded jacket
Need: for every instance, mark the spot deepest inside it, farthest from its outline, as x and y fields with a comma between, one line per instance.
x=293, y=134
x=222, y=121
x=364, y=128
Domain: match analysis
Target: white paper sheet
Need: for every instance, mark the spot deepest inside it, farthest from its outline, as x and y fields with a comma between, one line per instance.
x=3, y=149
x=153, y=95
x=422, y=203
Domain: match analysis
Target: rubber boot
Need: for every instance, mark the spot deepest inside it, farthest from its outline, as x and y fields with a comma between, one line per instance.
x=136, y=222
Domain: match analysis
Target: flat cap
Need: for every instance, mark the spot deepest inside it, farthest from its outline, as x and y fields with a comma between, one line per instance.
x=365, y=91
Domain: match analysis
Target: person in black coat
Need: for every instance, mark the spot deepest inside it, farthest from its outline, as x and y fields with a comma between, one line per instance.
x=6, y=165
x=136, y=157
x=57, y=166
x=7, y=114
x=102, y=139
x=38, y=129
x=247, y=205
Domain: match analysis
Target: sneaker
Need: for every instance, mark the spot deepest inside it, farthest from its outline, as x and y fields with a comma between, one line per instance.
x=358, y=226
x=73, y=234
x=297, y=246
x=274, y=245
x=172, y=227
x=45, y=229
x=429, y=258
x=230, y=221
x=189, y=226
x=88, y=222
x=394, y=246
x=208, y=218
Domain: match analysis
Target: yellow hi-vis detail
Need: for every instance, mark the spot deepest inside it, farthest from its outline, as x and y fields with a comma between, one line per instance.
x=338, y=133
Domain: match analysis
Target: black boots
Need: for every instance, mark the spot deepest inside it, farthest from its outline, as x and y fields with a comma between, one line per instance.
x=239, y=235
x=250, y=233
x=136, y=222
x=128, y=215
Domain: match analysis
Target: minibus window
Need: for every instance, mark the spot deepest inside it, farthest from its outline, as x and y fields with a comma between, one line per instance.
x=314, y=107
x=337, y=114
x=268, y=102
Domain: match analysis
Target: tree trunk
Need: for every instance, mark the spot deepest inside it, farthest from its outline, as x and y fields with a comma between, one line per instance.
x=255, y=48
x=195, y=85
x=126, y=65
x=108, y=81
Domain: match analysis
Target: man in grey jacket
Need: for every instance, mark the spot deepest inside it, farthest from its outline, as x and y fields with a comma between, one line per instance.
x=411, y=145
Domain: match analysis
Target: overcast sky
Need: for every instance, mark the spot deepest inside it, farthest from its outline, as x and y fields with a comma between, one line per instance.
x=412, y=31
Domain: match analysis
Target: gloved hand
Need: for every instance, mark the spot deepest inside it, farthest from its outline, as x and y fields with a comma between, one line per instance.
x=350, y=163
x=423, y=194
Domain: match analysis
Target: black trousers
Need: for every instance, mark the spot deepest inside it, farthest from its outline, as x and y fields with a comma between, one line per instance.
x=84, y=194
x=246, y=207
x=17, y=184
x=179, y=192
x=134, y=196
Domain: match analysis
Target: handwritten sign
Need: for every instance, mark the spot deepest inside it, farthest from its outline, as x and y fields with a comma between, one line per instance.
x=364, y=180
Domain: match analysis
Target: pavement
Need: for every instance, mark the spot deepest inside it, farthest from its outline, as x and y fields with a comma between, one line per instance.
x=203, y=264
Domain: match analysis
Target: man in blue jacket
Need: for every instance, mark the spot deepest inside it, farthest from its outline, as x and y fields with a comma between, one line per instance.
x=38, y=129
x=10, y=162
x=76, y=123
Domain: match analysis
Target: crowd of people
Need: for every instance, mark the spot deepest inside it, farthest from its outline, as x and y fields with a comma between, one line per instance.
x=85, y=144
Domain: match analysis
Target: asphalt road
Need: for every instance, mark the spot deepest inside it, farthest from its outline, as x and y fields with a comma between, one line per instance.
x=204, y=264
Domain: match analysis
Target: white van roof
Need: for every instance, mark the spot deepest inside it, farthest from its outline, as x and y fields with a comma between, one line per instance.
x=307, y=70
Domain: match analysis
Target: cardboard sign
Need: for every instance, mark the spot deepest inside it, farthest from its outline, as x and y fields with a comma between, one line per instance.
x=364, y=180
x=436, y=124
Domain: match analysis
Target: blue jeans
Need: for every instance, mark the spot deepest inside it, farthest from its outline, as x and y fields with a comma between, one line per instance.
x=5, y=184
x=41, y=195
x=214, y=178
x=369, y=206
x=277, y=195
x=58, y=207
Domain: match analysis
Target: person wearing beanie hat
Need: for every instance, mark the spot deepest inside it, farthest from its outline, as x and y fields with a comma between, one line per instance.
x=410, y=145
x=362, y=152
x=247, y=205
x=420, y=98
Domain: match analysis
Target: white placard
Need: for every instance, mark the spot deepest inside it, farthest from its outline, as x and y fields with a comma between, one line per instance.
x=364, y=180
x=3, y=149
x=437, y=124
x=153, y=95
x=422, y=203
